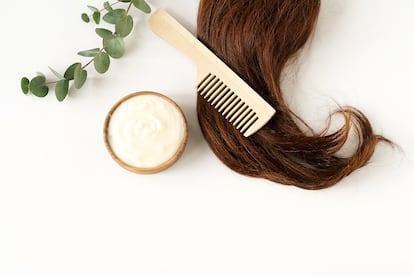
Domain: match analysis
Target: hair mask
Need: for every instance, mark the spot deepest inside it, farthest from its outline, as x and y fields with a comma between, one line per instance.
x=145, y=132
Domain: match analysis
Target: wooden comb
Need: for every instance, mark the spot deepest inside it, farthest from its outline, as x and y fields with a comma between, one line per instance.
x=216, y=82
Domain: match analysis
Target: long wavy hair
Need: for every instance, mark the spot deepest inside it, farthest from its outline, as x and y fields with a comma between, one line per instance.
x=256, y=38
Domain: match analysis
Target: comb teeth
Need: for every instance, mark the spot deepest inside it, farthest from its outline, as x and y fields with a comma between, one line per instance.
x=223, y=99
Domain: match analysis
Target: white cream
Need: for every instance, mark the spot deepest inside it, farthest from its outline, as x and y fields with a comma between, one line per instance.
x=145, y=131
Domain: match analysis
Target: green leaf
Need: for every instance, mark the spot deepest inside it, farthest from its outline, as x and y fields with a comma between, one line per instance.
x=38, y=81
x=108, y=6
x=124, y=26
x=94, y=9
x=80, y=77
x=24, y=83
x=125, y=1
x=113, y=16
x=89, y=53
x=61, y=90
x=104, y=33
x=142, y=5
x=70, y=72
x=115, y=47
x=59, y=76
x=85, y=18
x=37, y=86
x=96, y=17
x=102, y=62
x=40, y=92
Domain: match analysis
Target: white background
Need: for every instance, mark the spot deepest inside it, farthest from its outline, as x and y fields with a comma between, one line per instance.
x=66, y=208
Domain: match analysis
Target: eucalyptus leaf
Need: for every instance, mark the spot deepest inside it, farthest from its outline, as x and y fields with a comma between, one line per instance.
x=115, y=47
x=37, y=86
x=76, y=69
x=108, y=6
x=104, y=33
x=40, y=91
x=37, y=81
x=70, y=72
x=24, y=83
x=96, y=17
x=142, y=5
x=92, y=8
x=89, y=53
x=102, y=62
x=85, y=18
x=113, y=16
x=58, y=75
x=124, y=26
x=61, y=90
x=80, y=77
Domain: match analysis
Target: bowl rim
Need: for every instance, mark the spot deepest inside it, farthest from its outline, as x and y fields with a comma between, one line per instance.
x=160, y=167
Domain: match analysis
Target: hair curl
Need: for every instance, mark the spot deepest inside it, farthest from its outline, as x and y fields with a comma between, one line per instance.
x=256, y=39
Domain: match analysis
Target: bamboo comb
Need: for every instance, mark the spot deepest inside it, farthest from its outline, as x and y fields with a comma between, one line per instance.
x=216, y=82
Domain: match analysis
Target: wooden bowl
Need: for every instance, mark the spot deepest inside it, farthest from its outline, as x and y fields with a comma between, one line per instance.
x=159, y=167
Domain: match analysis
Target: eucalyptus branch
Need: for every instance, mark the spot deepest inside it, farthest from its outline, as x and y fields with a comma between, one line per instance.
x=113, y=47
x=96, y=13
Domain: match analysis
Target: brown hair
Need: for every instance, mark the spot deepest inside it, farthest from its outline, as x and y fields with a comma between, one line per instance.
x=256, y=39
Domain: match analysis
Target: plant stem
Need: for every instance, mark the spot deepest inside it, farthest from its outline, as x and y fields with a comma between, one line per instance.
x=129, y=7
x=87, y=64
x=112, y=4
